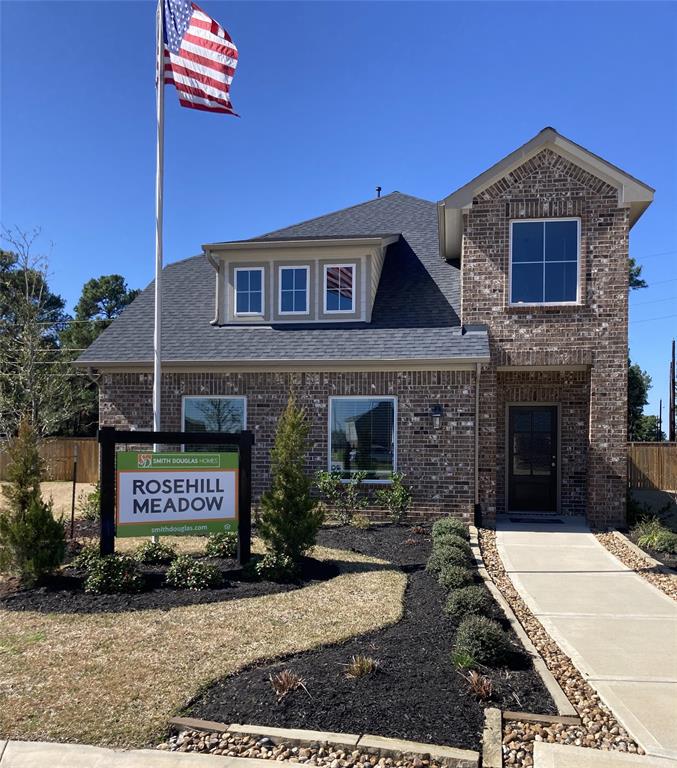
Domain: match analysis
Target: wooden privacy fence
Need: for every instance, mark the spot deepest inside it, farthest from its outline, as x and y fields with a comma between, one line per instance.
x=58, y=454
x=652, y=465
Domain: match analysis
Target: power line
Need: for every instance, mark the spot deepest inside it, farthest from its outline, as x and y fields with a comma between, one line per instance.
x=651, y=319
x=655, y=301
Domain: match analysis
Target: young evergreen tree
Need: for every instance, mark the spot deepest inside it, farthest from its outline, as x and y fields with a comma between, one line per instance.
x=32, y=542
x=290, y=518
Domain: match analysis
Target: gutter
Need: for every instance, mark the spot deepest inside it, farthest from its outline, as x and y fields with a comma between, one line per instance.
x=215, y=263
x=478, y=370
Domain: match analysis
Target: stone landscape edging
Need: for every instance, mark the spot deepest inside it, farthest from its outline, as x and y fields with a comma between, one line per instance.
x=492, y=738
x=451, y=757
x=562, y=703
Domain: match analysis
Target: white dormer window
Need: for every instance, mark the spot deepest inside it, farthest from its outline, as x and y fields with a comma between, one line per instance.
x=249, y=291
x=294, y=290
x=544, y=261
x=339, y=288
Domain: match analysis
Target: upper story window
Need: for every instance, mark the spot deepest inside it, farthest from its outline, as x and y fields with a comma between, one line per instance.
x=544, y=261
x=249, y=292
x=294, y=290
x=339, y=292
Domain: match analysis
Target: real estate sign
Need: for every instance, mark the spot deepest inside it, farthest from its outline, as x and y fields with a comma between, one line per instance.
x=176, y=494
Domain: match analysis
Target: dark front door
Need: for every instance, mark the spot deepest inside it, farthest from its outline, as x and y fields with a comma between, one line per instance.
x=532, y=458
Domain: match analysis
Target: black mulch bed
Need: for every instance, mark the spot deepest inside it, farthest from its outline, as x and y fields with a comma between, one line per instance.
x=417, y=694
x=65, y=593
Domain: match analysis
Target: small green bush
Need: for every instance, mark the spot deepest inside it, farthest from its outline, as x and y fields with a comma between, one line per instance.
x=666, y=541
x=396, y=498
x=188, y=573
x=652, y=533
x=88, y=555
x=454, y=577
x=451, y=540
x=276, y=567
x=462, y=660
x=155, y=553
x=483, y=640
x=345, y=495
x=442, y=557
x=473, y=600
x=32, y=542
x=113, y=574
x=221, y=545
x=450, y=525
x=89, y=504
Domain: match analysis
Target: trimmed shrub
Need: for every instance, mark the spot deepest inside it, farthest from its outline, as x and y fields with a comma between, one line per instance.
x=290, y=518
x=85, y=557
x=155, y=553
x=454, y=577
x=448, y=540
x=450, y=525
x=276, y=567
x=32, y=542
x=113, y=574
x=188, y=573
x=221, y=545
x=473, y=600
x=442, y=557
x=483, y=640
x=396, y=498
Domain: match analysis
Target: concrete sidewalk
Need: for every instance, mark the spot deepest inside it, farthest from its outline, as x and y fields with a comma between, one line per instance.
x=619, y=630
x=43, y=754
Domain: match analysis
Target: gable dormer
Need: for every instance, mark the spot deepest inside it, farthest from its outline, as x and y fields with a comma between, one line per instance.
x=299, y=280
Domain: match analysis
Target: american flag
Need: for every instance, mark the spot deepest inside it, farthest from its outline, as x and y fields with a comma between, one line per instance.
x=199, y=57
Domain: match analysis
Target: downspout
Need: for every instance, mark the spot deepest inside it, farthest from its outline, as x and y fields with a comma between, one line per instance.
x=478, y=512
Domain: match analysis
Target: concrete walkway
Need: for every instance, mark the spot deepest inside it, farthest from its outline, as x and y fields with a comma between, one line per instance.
x=619, y=630
x=43, y=754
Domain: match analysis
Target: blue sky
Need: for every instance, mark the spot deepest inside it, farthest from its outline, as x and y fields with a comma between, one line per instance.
x=335, y=98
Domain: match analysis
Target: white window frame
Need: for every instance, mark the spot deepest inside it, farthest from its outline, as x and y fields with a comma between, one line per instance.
x=279, y=290
x=263, y=292
x=212, y=397
x=577, y=301
x=350, y=311
x=393, y=399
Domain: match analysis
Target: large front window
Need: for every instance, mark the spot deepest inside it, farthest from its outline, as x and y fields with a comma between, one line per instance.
x=249, y=291
x=544, y=261
x=362, y=436
x=339, y=282
x=213, y=414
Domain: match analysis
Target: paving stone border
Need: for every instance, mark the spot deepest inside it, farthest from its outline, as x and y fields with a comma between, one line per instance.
x=598, y=729
x=492, y=738
x=315, y=748
x=640, y=562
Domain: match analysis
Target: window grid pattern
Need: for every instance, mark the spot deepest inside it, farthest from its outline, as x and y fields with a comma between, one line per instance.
x=249, y=291
x=293, y=290
x=339, y=289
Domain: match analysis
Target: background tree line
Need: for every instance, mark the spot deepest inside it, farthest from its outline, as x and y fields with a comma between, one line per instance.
x=39, y=340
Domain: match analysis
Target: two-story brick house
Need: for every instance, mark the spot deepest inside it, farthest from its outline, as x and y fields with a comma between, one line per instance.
x=479, y=344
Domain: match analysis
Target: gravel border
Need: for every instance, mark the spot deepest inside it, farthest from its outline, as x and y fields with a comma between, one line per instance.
x=599, y=728
x=641, y=563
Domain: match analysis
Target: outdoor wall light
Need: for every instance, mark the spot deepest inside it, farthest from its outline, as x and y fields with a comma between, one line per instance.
x=436, y=413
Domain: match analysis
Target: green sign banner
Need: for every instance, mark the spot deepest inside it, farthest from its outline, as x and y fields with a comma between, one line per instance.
x=176, y=494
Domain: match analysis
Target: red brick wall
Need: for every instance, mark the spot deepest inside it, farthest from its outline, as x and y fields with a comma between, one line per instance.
x=439, y=464
x=594, y=334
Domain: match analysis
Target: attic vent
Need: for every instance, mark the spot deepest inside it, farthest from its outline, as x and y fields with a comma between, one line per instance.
x=534, y=208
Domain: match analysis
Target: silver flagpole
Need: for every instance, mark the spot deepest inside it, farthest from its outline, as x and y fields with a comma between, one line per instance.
x=159, y=164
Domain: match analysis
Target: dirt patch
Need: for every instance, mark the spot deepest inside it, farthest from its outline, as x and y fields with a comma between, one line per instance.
x=415, y=694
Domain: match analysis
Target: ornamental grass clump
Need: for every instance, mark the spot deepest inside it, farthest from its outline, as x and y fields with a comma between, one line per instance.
x=285, y=682
x=483, y=640
x=450, y=525
x=113, y=574
x=155, y=553
x=651, y=533
x=290, y=518
x=187, y=573
x=361, y=666
x=454, y=577
x=222, y=545
x=473, y=600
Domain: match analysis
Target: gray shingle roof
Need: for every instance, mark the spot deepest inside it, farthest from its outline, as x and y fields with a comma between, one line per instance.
x=415, y=314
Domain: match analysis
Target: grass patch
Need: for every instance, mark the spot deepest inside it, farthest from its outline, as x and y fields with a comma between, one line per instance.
x=149, y=663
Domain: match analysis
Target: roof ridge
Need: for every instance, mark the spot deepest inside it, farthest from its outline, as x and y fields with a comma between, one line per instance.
x=340, y=210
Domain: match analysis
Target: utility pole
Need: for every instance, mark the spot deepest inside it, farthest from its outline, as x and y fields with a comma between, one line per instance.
x=671, y=415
